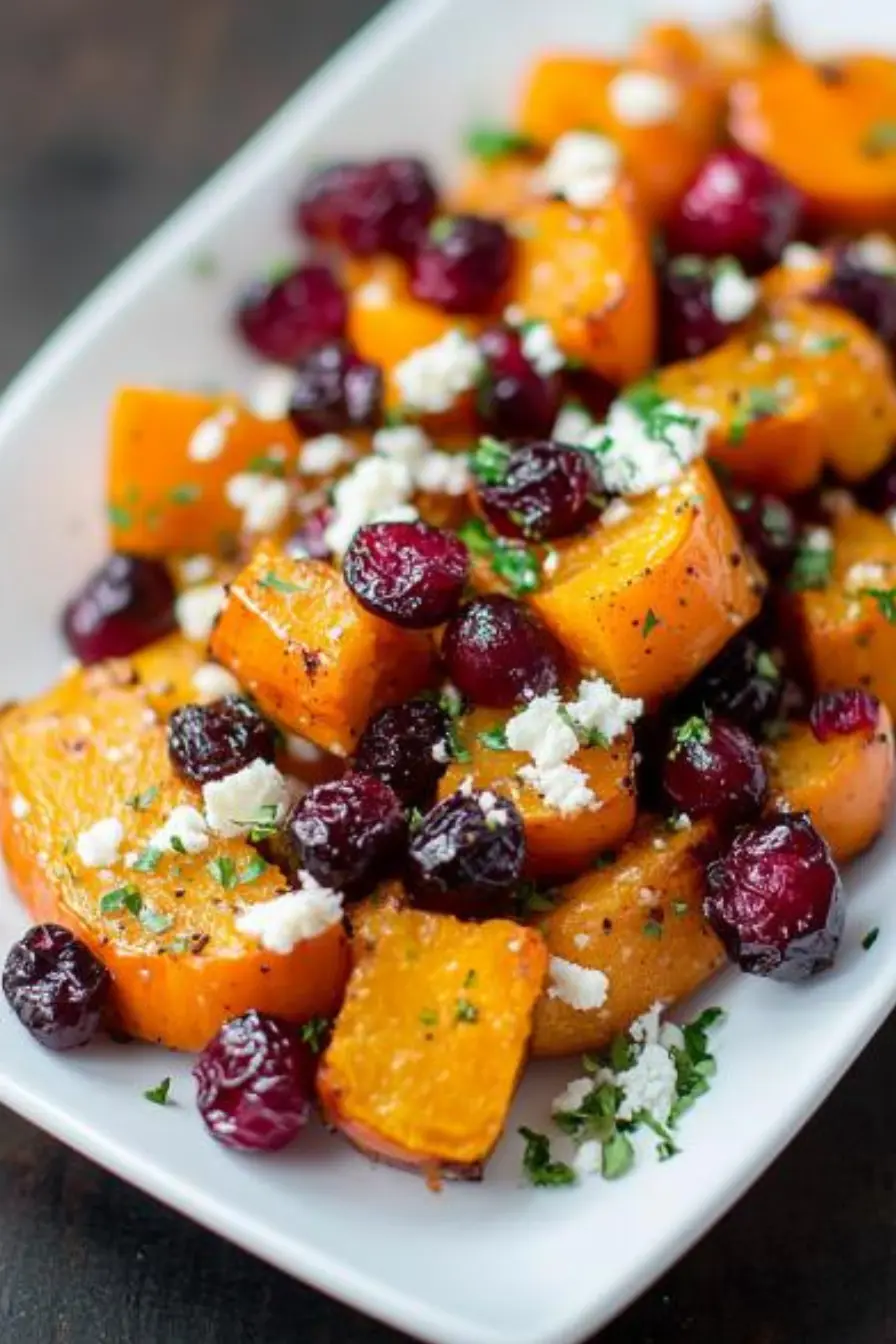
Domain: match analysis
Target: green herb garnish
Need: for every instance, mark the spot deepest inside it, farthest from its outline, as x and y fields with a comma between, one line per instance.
x=466, y=1011
x=811, y=568
x=223, y=870
x=494, y=738
x=147, y=860
x=315, y=1032
x=870, y=939
x=141, y=801
x=490, y=143
x=490, y=461
x=695, y=729
x=276, y=584
x=617, y=1156
x=121, y=899
x=652, y=928
x=187, y=493
x=265, y=465
x=264, y=825
x=651, y=621
x=511, y=561
x=885, y=599
x=159, y=1093
x=766, y=667
x=758, y=404
x=538, y=1164
x=119, y=516
x=429, y=1018
x=154, y=922
x=880, y=138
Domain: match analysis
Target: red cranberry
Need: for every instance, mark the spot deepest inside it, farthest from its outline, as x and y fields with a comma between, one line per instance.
x=405, y=746
x=335, y=391
x=714, y=769
x=254, y=1083
x=463, y=264
x=769, y=526
x=776, y=900
x=408, y=573
x=207, y=742
x=742, y=683
x=346, y=833
x=689, y=326
x=56, y=987
x=125, y=604
x=283, y=319
x=536, y=490
x=869, y=294
x=309, y=541
x=496, y=653
x=468, y=854
x=838, y=713
x=382, y=206
x=514, y=400
x=739, y=206
x=878, y=491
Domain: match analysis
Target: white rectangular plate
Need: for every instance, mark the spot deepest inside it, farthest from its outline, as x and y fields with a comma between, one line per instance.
x=492, y=1264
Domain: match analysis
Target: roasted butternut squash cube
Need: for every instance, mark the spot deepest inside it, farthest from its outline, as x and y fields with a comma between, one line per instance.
x=92, y=750
x=558, y=844
x=314, y=659
x=429, y=1044
x=166, y=669
x=651, y=599
x=640, y=921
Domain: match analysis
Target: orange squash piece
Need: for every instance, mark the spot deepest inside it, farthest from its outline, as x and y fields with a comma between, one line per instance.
x=845, y=783
x=650, y=600
x=93, y=748
x=313, y=658
x=166, y=669
x=640, y=921
x=720, y=53
x=557, y=844
x=429, y=1045
x=163, y=502
x=497, y=188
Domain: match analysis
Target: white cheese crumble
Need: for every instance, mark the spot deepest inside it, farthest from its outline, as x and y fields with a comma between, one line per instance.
x=320, y=456
x=433, y=377
x=597, y=708
x=641, y=98
x=272, y=394
x=213, y=682
x=875, y=252
x=864, y=575
x=572, y=1096
x=373, y=490
x=588, y=1160
x=209, y=438
x=197, y=610
x=489, y=805
x=801, y=257
x=817, y=539
x=573, y=425
x=407, y=444
x=733, y=295
x=441, y=753
x=639, y=454
x=541, y=730
x=99, y=845
x=564, y=788
x=443, y=474
x=649, y=1085
x=541, y=349
x=264, y=500
x=197, y=568
x=300, y=749
x=236, y=803
x=186, y=825
x=616, y=512
x=582, y=167
x=580, y=987
x=284, y=922
x=20, y=807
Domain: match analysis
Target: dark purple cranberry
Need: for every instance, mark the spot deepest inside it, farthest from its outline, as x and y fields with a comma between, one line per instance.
x=878, y=491
x=468, y=855
x=381, y=206
x=346, y=833
x=410, y=574
x=309, y=541
x=739, y=206
x=742, y=683
x=714, y=769
x=775, y=899
x=495, y=652
x=336, y=391
x=769, y=526
x=463, y=264
x=689, y=326
x=56, y=987
x=538, y=491
x=406, y=747
x=590, y=390
x=513, y=400
x=285, y=318
x=207, y=742
x=869, y=294
x=125, y=604
x=839, y=713
x=255, y=1083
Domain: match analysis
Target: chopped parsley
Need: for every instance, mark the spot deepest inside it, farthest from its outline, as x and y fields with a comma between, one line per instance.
x=538, y=1165
x=264, y=825
x=276, y=584
x=154, y=922
x=159, y=1093
x=694, y=730
x=758, y=404
x=466, y=1011
x=646, y=400
x=147, y=861
x=880, y=138
x=429, y=1018
x=823, y=345
x=255, y=867
x=680, y=908
x=119, y=900
x=811, y=568
x=314, y=1033
x=141, y=801
x=494, y=738
x=651, y=621
x=187, y=493
x=223, y=870
x=491, y=461
x=529, y=900
x=885, y=599
x=652, y=929
x=870, y=938
x=490, y=143
x=452, y=706
x=766, y=667
x=511, y=561
x=617, y=1156
x=177, y=844
x=265, y=465
x=470, y=979
x=119, y=516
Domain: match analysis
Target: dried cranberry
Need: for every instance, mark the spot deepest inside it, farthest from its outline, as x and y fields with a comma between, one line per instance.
x=878, y=491
x=410, y=574
x=55, y=986
x=513, y=400
x=736, y=205
x=468, y=855
x=769, y=526
x=254, y=1083
x=345, y=833
x=742, y=683
x=125, y=604
x=406, y=747
x=381, y=206
x=839, y=713
x=207, y=742
x=689, y=326
x=335, y=391
x=495, y=652
x=309, y=541
x=536, y=490
x=714, y=769
x=283, y=319
x=463, y=264
x=869, y=294
x=776, y=900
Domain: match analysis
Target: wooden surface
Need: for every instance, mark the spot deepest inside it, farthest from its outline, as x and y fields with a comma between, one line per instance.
x=111, y=111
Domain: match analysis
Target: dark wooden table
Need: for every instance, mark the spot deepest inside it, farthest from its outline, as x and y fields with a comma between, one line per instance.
x=110, y=114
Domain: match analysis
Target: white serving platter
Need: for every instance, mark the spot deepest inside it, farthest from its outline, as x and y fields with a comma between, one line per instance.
x=493, y=1264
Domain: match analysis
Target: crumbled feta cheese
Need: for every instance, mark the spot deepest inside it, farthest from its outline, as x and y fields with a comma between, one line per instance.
x=20, y=807
x=564, y=788
x=514, y=315
x=588, y=1159
x=616, y=512
x=573, y=425
x=671, y=1036
x=800, y=257
x=210, y=436
x=875, y=252
x=272, y=393
x=441, y=753
x=645, y=1029
x=817, y=539
x=234, y=804
x=639, y=454
x=407, y=444
x=864, y=575
x=433, y=377
x=581, y=987
x=300, y=749
x=541, y=349
x=99, y=845
x=372, y=490
x=443, y=474
x=197, y=568
x=284, y=922
x=264, y=500
x=641, y=98
x=681, y=823
x=582, y=167
x=541, y=730
x=186, y=825
x=197, y=609
x=320, y=456
x=649, y=1085
x=494, y=813
x=213, y=682
x=733, y=295
x=721, y=179
x=572, y=1096
x=597, y=708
